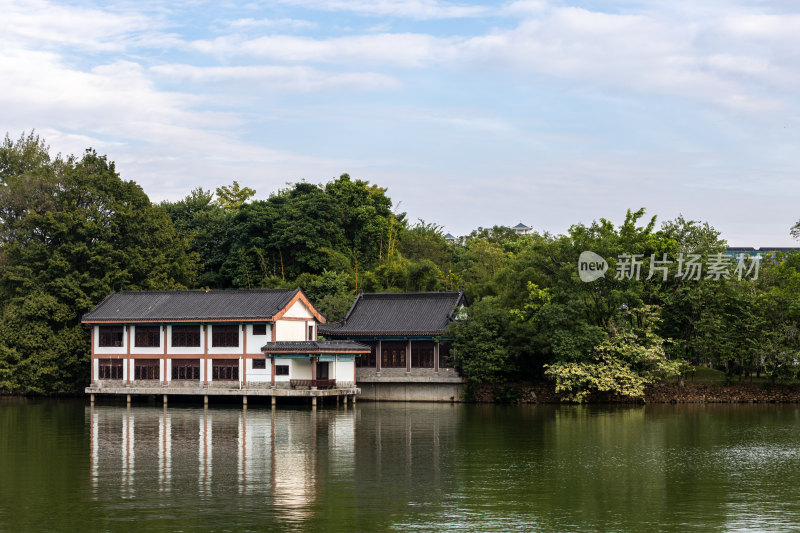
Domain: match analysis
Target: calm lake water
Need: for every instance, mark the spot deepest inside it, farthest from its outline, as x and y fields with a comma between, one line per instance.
x=67, y=466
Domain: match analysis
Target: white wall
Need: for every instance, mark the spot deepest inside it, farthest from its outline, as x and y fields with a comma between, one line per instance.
x=261, y=375
x=110, y=350
x=299, y=310
x=287, y=362
x=299, y=369
x=290, y=330
x=342, y=370
x=255, y=342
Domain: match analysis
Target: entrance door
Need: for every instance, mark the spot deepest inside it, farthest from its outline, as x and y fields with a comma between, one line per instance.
x=322, y=370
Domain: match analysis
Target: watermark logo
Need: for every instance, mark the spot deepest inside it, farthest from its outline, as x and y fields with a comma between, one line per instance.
x=591, y=266
x=686, y=266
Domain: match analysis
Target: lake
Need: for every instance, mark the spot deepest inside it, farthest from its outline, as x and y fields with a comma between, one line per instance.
x=69, y=466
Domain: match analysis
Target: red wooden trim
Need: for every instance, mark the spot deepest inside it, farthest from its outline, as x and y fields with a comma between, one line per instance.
x=181, y=320
x=244, y=352
x=165, y=353
x=313, y=369
x=408, y=356
x=436, y=357
x=378, y=356
x=296, y=318
x=274, y=330
x=128, y=351
x=91, y=358
x=323, y=352
x=302, y=297
x=205, y=354
x=272, y=376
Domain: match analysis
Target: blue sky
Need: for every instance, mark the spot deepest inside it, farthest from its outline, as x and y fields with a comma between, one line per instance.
x=471, y=114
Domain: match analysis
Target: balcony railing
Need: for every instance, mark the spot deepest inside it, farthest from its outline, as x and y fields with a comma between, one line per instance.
x=310, y=383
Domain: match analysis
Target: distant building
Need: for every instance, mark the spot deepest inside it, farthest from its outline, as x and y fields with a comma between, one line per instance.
x=522, y=229
x=736, y=251
x=450, y=238
x=406, y=333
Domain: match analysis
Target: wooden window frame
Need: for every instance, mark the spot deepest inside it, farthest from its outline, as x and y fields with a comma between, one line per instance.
x=185, y=370
x=281, y=370
x=225, y=336
x=225, y=369
x=259, y=364
x=147, y=337
x=262, y=327
x=111, y=336
x=146, y=369
x=110, y=369
x=186, y=336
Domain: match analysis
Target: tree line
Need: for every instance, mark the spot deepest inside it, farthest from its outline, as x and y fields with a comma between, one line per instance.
x=72, y=230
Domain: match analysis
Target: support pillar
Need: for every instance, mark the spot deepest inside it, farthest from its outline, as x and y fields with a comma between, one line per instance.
x=165, y=400
x=128, y=399
x=354, y=399
x=408, y=357
x=244, y=401
x=205, y=400
x=273, y=401
x=91, y=399
x=314, y=402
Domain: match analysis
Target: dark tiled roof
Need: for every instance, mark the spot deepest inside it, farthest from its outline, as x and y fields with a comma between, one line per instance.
x=165, y=306
x=314, y=347
x=412, y=313
x=521, y=226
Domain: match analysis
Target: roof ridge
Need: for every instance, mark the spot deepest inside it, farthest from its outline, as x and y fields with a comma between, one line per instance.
x=197, y=291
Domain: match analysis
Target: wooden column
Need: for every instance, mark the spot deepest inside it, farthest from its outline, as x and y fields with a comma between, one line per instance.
x=91, y=358
x=313, y=368
x=378, y=357
x=128, y=359
x=408, y=357
x=272, y=375
x=244, y=355
x=436, y=358
x=205, y=356
x=165, y=357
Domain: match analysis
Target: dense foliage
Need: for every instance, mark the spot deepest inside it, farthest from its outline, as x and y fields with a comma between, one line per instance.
x=71, y=231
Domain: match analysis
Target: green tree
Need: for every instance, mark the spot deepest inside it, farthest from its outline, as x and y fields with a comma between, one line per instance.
x=84, y=233
x=233, y=196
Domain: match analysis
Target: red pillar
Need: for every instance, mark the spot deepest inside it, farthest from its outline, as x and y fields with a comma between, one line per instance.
x=205, y=354
x=436, y=358
x=91, y=358
x=408, y=356
x=165, y=354
x=128, y=359
x=244, y=355
x=378, y=357
x=272, y=376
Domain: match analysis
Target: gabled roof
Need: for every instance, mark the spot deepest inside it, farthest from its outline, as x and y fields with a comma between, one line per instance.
x=311, y=347
x=521, y=226
x=189, y=306
x=404, y=313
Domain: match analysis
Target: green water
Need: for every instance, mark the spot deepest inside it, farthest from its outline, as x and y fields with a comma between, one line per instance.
x=65, y=466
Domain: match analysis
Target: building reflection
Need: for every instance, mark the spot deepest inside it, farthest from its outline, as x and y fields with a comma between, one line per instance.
x=280, y=454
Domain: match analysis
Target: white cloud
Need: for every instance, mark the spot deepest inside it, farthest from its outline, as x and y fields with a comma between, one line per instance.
x=279, y=78
x=413, y=9
x=282, y=23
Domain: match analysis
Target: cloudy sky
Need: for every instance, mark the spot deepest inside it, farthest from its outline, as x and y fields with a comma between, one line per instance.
x=472, y=114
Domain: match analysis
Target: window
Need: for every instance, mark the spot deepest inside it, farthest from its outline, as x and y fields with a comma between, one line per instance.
x=446, y=355
x=185, y=369
x=310, y=333
x=146, y=368
x=225, y=336
x=259, y=364
x=367, y=359
x=422, y=354
x=225, y=369
x=110, y=368
x=147, y=337
x=281, y=370
x=110, y=336
x=393, y=355
x=186, y=336
x=259, y=329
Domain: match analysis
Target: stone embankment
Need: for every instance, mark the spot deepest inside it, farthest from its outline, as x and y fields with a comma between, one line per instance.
x=658, y=393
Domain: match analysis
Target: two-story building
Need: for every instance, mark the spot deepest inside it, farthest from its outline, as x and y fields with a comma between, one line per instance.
x=236, y=342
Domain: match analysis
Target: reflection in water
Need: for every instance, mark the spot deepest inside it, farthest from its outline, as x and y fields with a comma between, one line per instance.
x=442, y=467
x=261, y=451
